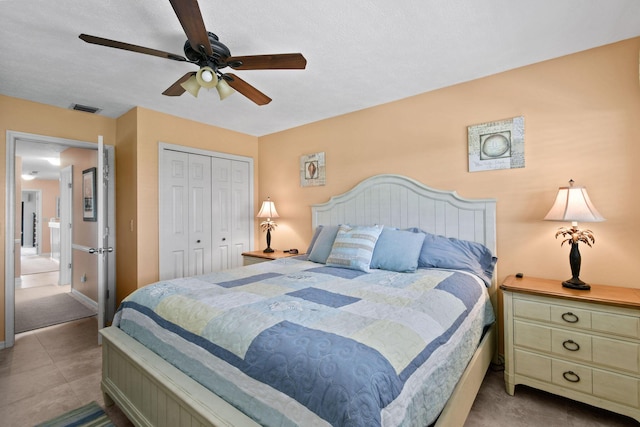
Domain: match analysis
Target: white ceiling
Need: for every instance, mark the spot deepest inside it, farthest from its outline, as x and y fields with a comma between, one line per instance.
x=359, y=53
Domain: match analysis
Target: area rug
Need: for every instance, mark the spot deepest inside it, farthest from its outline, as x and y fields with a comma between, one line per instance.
x=90, y=415
x=49, y=310
x=35, y=264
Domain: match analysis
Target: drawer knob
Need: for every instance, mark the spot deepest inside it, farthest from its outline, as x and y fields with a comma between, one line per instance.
x=571, y=376
x=569, y=317
x=571, y=345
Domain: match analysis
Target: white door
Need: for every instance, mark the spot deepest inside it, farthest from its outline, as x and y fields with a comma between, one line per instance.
x=106, y=229
x=66, y=223
x=231, y=210
x=185, y=215
x=199, y=236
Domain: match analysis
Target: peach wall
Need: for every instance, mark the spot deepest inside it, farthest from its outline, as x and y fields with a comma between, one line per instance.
x=582, y=122
x=50, y=190
x=31, y=117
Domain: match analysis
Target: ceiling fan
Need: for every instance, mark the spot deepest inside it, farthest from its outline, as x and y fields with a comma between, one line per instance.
x=204, y=49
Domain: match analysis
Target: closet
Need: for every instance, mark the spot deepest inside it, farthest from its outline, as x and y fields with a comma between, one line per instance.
x=206, y=211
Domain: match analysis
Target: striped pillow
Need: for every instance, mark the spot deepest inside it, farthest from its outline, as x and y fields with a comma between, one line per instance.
x=353, y=247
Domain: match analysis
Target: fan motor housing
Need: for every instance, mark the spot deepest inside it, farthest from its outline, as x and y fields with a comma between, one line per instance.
x=220, y=52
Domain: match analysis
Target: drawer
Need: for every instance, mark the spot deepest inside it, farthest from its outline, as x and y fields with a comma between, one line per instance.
x=621, y=355
x=531, y=310
x=532, y=365
x=617, y=388
x=532, y=336
x=618, y=324
x=571, y=344
x=571, y=317
x=571, y=376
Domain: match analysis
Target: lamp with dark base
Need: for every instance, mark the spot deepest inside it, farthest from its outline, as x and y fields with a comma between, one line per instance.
x=574, y=261
x=573, y=204
x=268, y=211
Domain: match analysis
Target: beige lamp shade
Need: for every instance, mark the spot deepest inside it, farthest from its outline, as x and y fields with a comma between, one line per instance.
x=268, y=210
x=573, y=204
x=224, y=90
x=191, y=85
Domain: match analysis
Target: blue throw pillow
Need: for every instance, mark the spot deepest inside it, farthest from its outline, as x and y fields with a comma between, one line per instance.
x=448, y=252
x=397, y=250
x=353, y=247
x=323, y=244
x=314, y=238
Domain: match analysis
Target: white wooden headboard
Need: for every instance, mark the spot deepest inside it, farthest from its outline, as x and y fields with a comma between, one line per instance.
x=398, y=201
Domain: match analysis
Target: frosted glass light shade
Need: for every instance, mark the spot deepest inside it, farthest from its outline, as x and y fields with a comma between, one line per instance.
x=224, y=90
x=573, y=204
x=191, y=85
x=268, y=210
x=206, y=77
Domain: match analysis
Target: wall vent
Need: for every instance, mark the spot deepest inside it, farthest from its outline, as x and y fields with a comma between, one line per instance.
x=85, y=108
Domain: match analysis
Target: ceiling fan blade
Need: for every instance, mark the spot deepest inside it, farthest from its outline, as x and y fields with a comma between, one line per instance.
x=130, y=47
x=190, y=17
x=246, y=89
x=175, y=89
x=283, y=61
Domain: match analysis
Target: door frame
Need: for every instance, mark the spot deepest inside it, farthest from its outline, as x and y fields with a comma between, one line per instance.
x=162, y=147
x=10, y=217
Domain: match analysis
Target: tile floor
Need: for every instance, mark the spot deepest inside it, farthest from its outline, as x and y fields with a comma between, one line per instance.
x=49, y=371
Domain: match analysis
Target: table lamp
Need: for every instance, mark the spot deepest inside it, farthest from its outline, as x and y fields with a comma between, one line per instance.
x=573, y=204
x=268, y=211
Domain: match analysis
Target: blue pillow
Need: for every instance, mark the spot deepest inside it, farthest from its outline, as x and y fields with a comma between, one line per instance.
x=323, y=244
x=397, y=250
x=442, y=252
x=353, y=247
x=314, y=238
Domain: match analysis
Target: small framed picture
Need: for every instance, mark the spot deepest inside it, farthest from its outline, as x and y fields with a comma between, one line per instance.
x=312, y=170
x=496, y=145
x=89, y=205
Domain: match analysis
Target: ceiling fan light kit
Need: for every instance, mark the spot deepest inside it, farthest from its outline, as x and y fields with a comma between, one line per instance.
x=204, y=49
x=191, y=85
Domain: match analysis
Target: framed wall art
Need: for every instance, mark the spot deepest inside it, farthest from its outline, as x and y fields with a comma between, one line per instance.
x=312, y=170
x=89, y=211
x=496, y=145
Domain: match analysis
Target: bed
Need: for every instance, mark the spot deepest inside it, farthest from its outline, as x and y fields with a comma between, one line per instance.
x=367, y=328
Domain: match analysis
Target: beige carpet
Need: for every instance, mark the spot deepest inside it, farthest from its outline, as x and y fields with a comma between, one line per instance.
x=43, y=306
x=34, y=264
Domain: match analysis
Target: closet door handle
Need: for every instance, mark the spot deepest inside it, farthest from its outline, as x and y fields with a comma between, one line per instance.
x=197, y=241
x=571, y=345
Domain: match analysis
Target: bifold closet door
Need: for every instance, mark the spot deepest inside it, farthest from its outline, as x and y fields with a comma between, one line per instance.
x=231, y=211
x=186, y=205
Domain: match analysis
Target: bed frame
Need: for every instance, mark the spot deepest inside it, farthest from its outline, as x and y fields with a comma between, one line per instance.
x=152, y=392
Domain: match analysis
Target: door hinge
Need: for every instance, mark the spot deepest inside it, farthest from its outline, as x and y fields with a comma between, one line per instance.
x=70, y=185
x=69, y=265
x=107, y=293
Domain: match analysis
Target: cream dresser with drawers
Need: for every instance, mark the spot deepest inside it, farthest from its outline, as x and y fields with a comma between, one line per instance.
x=584, y=345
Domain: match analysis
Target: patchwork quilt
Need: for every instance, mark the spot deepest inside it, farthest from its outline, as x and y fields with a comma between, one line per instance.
x=291, y=342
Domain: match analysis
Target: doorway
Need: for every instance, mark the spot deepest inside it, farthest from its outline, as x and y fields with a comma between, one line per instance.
x=81, y=249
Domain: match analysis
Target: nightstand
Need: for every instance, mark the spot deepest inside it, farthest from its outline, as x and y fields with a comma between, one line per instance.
x=255, y=257
x=584, y=345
